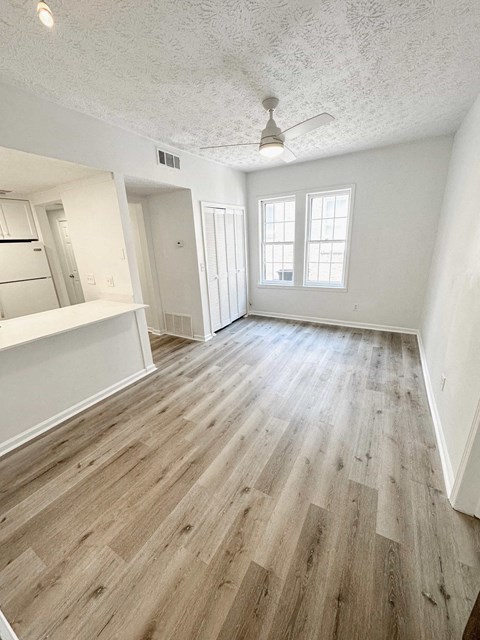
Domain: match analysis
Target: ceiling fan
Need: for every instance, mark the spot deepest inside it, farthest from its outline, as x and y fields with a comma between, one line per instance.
x=272, y=140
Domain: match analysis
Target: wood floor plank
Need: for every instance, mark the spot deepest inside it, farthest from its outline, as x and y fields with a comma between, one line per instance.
x=279, y=481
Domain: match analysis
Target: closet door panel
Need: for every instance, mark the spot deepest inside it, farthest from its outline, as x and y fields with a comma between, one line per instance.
x=231, y=262
x=241, y=263
x=212, y=268
x=222, y=266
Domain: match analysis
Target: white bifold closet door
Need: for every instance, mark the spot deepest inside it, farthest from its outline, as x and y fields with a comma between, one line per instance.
x=224, y=231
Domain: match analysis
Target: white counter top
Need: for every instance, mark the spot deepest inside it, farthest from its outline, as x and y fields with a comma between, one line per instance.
x=19, y=331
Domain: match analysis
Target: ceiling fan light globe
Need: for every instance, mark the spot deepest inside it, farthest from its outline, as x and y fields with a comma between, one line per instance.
x=271, y=149
x=45, y=14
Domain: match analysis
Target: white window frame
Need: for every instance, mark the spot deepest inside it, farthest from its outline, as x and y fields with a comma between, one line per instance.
x=311, y=284
x=262, y=204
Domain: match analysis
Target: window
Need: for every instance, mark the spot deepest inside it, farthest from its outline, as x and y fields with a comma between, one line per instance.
x=278, y=236
x=328, y=216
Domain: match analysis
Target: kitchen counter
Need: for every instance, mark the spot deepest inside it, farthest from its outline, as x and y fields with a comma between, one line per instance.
x=57, y=363
x=37, y=326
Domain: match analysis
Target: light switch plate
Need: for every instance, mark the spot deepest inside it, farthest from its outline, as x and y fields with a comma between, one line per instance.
x=90, y=278
x=110, y=282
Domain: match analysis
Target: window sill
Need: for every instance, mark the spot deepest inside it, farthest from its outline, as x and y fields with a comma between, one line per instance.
x=319, y=287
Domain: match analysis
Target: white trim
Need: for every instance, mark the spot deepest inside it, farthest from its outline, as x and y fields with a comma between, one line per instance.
x=156, y=332
x=203, y=338
x=50, y=423
x=328, y=289
x=474, y=428
x=333, y=322
x=447, y=468
x=6, y=631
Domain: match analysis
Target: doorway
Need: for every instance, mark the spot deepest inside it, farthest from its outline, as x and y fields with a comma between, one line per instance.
x=61, y=235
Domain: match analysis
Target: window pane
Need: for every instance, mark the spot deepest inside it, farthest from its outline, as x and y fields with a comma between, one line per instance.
x=323, y=272
x=290, y=211
x=329, y=207
x=278, y=235
x=279, y=212
x=278, y=231
x=277, y=269
x=278, y=253
x=340, y=229
x=325, y=251
x=289, y=231
x=326, y=247
x=336, y=273
x=269, y=212
x=312, y=275
x=338, y=252
x=316, y=204
x=269, y=232
x=314, y=252
x=315, y=229
x=341, y=208
x=327, y=229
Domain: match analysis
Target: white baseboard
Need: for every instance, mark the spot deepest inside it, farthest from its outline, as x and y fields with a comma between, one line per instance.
x=156, y=332
x=337, y=323
x=6, y=631
x=50, y=423
x=447, y=468
x=203, y=338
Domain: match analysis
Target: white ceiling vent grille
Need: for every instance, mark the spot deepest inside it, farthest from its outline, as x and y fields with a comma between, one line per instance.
x=168, y=159
x=178, y=324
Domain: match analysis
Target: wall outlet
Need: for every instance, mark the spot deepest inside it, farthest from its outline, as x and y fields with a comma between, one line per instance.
x=110, y=282
x=443, y=380
x=90, y=278
x=356, y=306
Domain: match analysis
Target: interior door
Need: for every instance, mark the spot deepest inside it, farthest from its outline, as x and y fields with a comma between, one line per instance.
x=224, y=238
x=69, y=264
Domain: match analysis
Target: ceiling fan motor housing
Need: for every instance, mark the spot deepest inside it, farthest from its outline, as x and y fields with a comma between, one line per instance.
x=271, y=135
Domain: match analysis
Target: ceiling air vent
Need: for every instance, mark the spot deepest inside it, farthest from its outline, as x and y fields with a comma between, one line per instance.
x=168, y=159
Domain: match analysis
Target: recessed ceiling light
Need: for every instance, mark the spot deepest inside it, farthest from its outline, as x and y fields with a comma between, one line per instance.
x=45, y=14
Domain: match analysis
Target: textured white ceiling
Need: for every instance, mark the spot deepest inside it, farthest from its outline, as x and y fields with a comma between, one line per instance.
x=27, y=173
x=193, y=72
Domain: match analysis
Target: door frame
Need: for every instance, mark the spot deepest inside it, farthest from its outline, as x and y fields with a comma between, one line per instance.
x=217, y=205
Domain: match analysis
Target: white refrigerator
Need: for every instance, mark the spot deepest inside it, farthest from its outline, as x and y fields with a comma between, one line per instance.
x=26, y=284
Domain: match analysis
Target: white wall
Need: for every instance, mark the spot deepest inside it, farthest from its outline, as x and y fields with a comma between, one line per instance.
x=398, y=195
x=451, y=319
x=92, y=209
x=171, y=218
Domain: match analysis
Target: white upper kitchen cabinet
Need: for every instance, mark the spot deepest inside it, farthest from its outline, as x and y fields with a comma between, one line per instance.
x=16, y=220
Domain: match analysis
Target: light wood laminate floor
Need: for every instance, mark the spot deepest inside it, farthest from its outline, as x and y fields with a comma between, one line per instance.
x=279, y=482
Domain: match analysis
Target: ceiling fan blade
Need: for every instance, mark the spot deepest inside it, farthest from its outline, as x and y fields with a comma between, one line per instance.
x=307, y=125
x=239, y=144
x=287, y=155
